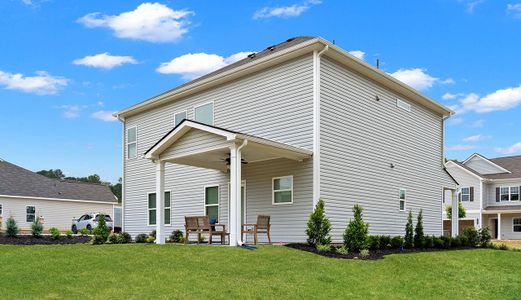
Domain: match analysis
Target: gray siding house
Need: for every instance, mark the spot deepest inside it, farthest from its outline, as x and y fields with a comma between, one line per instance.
x=490, y=192
x=276, y=131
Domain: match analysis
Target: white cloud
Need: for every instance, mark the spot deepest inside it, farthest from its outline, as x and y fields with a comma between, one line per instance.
x=418, y=78
x=461, y=147
x=514, y=10
x=455, y=121
x=475, y=138
x=104, y=115
x=104, y=61
x=502, y=99
x=451, y=96
x=358, y=54
x=151, y=22
x=41, y=84
x=71, y=111
x=294, y=10
x=191, y=66
x=515, y=148
x=471, y=4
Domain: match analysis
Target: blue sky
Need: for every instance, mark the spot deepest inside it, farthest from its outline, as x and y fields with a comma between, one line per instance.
x=65, y=66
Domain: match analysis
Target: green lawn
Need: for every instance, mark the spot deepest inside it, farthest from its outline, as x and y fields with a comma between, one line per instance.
x=161, y=272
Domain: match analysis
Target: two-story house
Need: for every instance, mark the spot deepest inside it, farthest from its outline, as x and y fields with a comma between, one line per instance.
x=490, y=192
x=276, y=131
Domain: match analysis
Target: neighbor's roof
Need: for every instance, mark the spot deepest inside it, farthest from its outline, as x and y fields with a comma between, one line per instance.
x=277, y=54
x=510, y=163
x=17, y=181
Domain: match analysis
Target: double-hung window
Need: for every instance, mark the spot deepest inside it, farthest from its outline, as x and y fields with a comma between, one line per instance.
x=204, y=113
x=465, y=194
x=179, y=117
x=504, y=193
x=402, y=197
x=516, y=224
x=152, y=209
x=514, y=193
x=1, y=210
x=282, y=190
x=509, y=193
x=132, y=142
x=211, y=202
x=30, y=213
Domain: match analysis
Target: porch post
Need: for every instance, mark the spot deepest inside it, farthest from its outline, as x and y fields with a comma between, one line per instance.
x=499, y=226
x=238, y=197
x=233, y=195
x=455, y=215
x=160, y=202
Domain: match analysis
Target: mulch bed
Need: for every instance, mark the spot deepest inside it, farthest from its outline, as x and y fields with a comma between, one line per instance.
x=373, y=254
x=43, y=240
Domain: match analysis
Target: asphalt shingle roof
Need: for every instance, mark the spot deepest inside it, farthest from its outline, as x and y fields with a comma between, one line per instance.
x=17, y=181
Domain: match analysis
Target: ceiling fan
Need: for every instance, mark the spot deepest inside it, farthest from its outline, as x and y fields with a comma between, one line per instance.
x=227, y=160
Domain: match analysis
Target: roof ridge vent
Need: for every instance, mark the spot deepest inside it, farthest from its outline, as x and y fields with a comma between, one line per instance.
x=270, y=48
x=290, y=39
x=251, y=55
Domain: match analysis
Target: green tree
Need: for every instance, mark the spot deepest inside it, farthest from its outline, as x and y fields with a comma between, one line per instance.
x=52, y=173
x=355, y=235
x=461, y=211
x=409, y=231
x=116, y=189
x=419, y=237
x=319, y=226
x=36, y=227
x=11, y=229
x=102, y=229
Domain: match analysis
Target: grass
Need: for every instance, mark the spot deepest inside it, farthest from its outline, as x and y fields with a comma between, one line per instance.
x=196, y=272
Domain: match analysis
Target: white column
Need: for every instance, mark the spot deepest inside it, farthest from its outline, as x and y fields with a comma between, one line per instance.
x=238, y=196
x=160, y=202
x=233, y=195
x=455, y=214
x=499, y=226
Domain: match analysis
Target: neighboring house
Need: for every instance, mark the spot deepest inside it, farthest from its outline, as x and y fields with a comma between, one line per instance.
x=276, y=131
x=25, y=195
x=490, y=192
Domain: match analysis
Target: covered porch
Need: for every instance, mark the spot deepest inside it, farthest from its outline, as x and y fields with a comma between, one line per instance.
x=232, y=153
x=504, y=222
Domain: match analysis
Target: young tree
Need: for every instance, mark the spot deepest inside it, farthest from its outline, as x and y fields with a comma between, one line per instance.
x=36, y=227
x=461, y=211
x=419, y=237
x=102, y=229
x=409, y=232
x=318, y=226
x=355, y=235
x=11, y=229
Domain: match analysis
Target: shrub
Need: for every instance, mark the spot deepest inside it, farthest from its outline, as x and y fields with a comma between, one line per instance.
x=36, y=227
x=177, y=236
x=385, y=241
x=419, y=237
x=373, y=242
x=446, y=242
x=152, y=233
x=318, y=226
x=323, y=248
x=409, y=231
x=397, y=242
x=461, y=211
x=11, y=229
x=428, y=241
x=458, y=241
x=437, y=242
x=102, y=228
x=141, y=238
x=97, y=240
x=113, y=238
x=355, y=235
x=472, y=236
x=503, y=247
x=124, y=238
x=484, y=236
x=84, y=232
x=342, y=250
x=364, y=253
x=69, y=234
x=151, y=239
x=55, y=233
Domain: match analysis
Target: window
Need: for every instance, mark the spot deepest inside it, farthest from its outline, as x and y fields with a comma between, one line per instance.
x=509, y=193
x=403, y=105
x=211, y=202
x=465, y=194
x=1, y=210
x=179, y=117
x=514, y=193
x=504, y=193
x=204, y=113
x=132, y=142
x=152, y=209
x=283, y=190
x=516, y=224
x=30, y=214
x=402, y=197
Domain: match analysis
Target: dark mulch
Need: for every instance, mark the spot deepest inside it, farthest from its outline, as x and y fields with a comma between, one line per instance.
x=43, y=240
x=373, y=254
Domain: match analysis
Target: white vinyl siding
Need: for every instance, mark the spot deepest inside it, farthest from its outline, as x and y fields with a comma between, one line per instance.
x=211, y=202
x=204, y=113
x=30, y=213
x=132, y=142
x=179, y=117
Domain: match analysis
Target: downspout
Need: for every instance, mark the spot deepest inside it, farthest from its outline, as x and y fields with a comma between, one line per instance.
x=316, y=124
x=239, y=187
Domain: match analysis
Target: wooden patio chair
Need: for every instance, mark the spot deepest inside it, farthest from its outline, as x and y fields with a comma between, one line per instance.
x=200, y=225
x=262, y=226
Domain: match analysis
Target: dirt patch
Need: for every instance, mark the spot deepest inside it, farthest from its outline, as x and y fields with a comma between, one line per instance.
x=43, y=240
x=373, y=254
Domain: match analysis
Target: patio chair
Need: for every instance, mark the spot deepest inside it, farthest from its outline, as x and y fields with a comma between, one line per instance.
x=262, y=226
x=200, y=225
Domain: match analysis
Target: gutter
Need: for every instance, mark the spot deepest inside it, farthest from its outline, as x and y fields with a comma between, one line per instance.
x=239, y=235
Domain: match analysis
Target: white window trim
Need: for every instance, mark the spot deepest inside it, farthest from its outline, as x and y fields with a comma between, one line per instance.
x=203, y=104
x=179, y=112
x=127, y=143
x=404, y=199
x=218, y=200
x=461, y=193
x=149, y=209
x=283, y=190
x=30, y=205
x=513, y=225
x=509, y=193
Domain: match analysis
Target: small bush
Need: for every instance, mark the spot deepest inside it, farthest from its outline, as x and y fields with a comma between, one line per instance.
x=177, y=236
x=69, y=234
x=113, y=238
x=97, y=240
x=355, y=235
x=342, y=250
x=124, y=238
x=428, y=241
x=364, y=253
x=419, y=236
x=503, y=247
x=152, y=233
x=397, y=242
x=150, y=239
x=102, y=228
x=484, y=236
x=461, y=211
x=55, y=233
x=409, y=232
x=438, y=242
x=472, y=236
x=323, y=248
x=373, y=242
x=84, y=232
x=318, y=226
x=141, y=238
x=11, y=229
x=446, y=242
x=36, y=227
x=459, y=241
x=385, y=241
